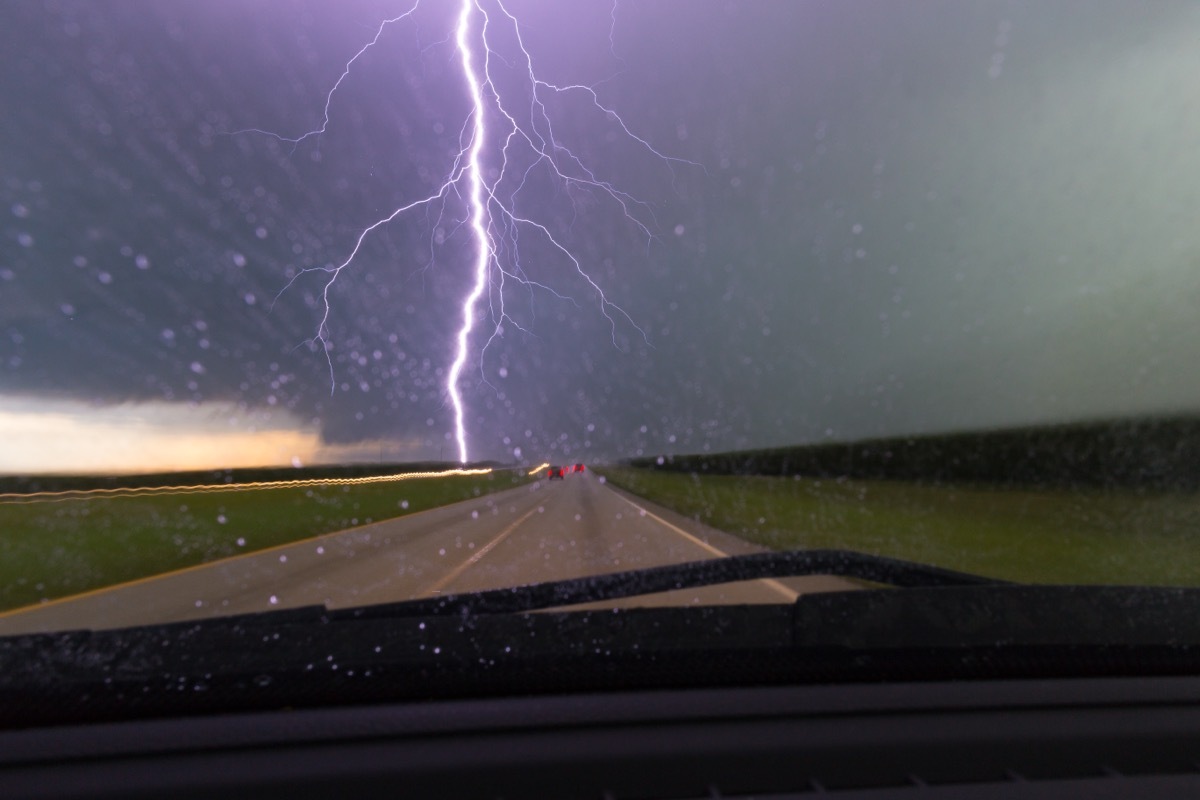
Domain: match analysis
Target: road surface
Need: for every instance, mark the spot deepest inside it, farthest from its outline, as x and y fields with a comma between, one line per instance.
x=548, y=530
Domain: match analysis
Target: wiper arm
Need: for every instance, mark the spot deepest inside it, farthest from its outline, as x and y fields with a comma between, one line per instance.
x=690, y=575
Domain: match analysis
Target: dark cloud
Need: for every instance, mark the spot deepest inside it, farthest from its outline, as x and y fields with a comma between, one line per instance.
x=908, y=216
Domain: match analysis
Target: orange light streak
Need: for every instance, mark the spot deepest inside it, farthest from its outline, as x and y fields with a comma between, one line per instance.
x=138, y=491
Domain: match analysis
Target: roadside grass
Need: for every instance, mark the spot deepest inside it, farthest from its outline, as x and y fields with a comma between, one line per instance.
x=55, y=549
x=1026, y=535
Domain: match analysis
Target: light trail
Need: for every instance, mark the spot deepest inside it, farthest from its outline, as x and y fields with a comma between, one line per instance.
x=538, y=469
x=141, y=491
x=500, y=150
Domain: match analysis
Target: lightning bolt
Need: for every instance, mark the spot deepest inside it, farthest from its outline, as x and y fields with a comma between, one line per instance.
x=500, y=148
x=478, y=205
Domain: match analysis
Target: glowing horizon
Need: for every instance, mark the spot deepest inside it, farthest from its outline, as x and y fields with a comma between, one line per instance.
x=73, y=437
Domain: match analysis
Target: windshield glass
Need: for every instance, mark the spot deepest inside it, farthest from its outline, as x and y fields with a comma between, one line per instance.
x=341, y=304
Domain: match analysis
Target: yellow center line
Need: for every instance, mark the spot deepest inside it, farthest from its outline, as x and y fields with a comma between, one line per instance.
x=483, y=551
x=771, y=582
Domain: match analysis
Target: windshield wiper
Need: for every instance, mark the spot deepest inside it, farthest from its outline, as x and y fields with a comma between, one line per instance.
x=941, y=625
x=690, y=575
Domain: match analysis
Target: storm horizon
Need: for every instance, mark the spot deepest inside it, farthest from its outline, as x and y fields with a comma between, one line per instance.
x=860, y=221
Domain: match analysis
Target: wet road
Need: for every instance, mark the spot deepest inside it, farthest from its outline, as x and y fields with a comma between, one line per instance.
x=549, y=530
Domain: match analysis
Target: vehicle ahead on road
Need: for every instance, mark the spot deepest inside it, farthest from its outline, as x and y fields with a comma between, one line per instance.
x=578, y=468
x=555, y=472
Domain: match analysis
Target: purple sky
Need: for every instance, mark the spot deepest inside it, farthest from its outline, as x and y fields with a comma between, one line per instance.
x=908, y=216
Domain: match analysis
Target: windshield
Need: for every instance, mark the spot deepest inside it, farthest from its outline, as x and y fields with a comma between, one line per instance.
x=342, y=304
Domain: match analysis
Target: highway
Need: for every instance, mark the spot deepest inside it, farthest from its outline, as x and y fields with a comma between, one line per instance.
x=547, y=530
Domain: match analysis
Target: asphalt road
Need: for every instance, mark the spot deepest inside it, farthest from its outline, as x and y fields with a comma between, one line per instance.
x=549, y=530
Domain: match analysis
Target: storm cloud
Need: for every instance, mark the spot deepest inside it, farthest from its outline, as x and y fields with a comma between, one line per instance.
x=898, y=217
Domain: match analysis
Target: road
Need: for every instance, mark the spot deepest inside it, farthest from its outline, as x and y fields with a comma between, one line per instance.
x=548, y=530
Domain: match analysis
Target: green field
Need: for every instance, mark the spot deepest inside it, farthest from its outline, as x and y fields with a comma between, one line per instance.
x=54, y=549
x=1041, y=536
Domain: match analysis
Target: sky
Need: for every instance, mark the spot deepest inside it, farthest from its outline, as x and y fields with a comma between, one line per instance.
x=810, y=221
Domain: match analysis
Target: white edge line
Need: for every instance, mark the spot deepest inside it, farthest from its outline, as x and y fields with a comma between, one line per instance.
x=774, y=584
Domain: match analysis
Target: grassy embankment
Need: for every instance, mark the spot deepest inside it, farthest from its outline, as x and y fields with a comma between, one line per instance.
x=54, y=549
x=1123, y=535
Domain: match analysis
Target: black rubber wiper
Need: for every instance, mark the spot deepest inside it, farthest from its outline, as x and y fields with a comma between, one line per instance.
x=632, y=583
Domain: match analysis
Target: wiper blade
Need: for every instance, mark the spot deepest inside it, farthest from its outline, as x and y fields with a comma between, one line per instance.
x=689, y=575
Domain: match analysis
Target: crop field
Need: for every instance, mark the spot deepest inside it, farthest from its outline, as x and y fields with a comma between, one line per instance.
x=54, y=548
x=1094, y=536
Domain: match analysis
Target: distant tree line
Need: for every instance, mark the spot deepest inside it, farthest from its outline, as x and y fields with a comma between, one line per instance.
x=1152, y=453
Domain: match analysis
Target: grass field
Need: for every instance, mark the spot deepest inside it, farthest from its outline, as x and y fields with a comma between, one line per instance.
x=54, y=549
x=1051, y=536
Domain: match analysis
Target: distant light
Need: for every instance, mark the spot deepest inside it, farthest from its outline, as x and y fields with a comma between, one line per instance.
x=130, y=491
